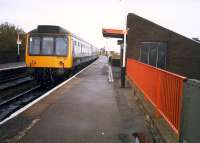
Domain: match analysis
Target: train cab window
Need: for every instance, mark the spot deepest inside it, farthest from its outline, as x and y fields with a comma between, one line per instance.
x=47, y=46
x=61, y=46
x=34, y=47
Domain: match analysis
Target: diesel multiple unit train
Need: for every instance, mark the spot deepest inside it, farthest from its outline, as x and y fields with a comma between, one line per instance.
x=52, y=52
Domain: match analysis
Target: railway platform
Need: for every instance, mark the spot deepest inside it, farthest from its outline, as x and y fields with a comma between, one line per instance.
x=89, y=108
x=11, y=65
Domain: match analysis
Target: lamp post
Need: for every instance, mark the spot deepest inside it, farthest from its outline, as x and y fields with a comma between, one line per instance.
x=18, y=46
x=123, y=67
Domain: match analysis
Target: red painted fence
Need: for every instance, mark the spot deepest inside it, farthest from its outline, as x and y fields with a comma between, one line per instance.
x=163, y=89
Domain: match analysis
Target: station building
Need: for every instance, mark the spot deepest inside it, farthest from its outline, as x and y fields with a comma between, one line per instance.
x=155, y=45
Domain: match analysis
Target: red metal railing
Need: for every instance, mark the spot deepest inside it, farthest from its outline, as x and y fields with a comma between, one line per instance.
x=163, y=89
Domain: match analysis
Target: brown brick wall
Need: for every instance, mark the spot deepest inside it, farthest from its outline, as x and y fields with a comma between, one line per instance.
x=183, y=54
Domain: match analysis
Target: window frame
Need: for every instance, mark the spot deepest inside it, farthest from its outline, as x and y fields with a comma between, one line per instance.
x=67, y=46
x=29, y=45
x=54, y=44
x=149, y=49
x=42, y=42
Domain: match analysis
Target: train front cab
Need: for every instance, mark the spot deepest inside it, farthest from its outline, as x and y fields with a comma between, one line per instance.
x=49, y=55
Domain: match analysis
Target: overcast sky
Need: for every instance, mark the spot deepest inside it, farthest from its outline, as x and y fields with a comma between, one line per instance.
x=86, y=18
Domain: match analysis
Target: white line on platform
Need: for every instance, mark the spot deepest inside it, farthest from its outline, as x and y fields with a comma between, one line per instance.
x=43, y=96
x=110, y=74
x=8, y=68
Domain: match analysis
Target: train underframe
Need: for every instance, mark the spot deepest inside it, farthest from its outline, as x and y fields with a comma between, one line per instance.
x=42, y=75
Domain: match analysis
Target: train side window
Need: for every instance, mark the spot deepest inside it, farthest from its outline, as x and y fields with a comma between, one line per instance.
x=34, y=45
x=47, y=46
x=61, y=46
x=78, y=51
x=81, y=48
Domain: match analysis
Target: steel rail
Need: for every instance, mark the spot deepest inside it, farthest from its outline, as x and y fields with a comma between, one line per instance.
x=19, y=95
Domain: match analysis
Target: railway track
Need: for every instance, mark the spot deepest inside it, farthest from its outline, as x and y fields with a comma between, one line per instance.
x=9, y=106
x=13, y=77
x=13, y=103
x=15, y=82
x=10, y=74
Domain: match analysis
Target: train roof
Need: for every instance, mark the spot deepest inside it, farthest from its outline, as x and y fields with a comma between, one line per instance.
x=54, y=29
x=49, y=29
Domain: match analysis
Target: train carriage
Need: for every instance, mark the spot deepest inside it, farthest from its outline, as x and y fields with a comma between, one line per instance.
x=52, y=52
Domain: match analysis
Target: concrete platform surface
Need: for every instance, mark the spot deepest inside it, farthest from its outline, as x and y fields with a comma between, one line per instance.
x=88, y=109
x=12, y=65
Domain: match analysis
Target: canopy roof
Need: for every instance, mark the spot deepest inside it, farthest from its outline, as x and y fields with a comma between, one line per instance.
x=113, y=33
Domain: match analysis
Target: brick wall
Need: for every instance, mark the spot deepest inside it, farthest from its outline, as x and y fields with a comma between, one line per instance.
x=183, y=54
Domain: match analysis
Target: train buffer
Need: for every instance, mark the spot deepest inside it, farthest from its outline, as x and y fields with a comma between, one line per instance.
x=86, y=109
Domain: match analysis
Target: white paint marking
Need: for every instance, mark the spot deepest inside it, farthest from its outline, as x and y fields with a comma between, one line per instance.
x=22, y=133
x=43, y=96
x=137, y=140
x=110, y=74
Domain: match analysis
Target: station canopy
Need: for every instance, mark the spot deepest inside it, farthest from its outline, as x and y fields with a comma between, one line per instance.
x=113, y=33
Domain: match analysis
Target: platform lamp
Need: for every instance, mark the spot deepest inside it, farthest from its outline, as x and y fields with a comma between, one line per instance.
x=123, y=66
